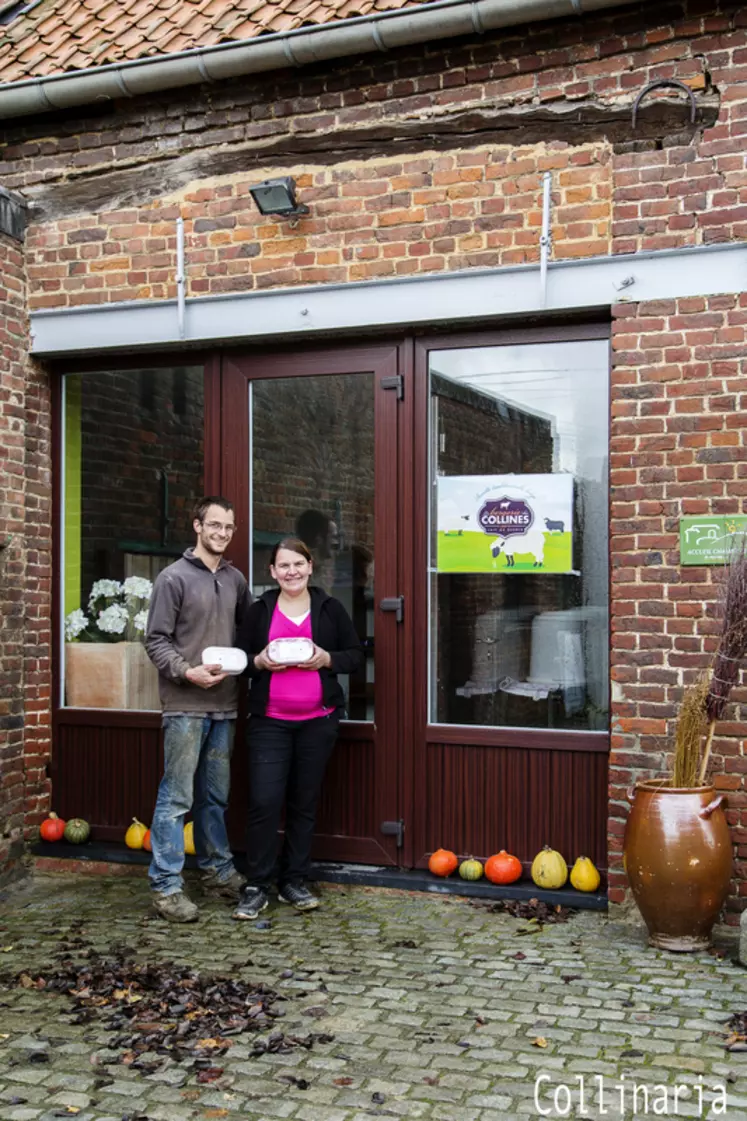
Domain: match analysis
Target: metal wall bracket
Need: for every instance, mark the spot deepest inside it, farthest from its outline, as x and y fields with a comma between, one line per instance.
x=662, y=83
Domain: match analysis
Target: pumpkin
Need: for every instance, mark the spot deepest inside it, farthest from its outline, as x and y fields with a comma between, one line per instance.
x=189, y=839
x=584, y=875
x=470, y=869
x=146, y=841
x=77, y=831
x=503, y=868
x=549, y=870
x=134, y=835
x=442, y=862
x=52, y=828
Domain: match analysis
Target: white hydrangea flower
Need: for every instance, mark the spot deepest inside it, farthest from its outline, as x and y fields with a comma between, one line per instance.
x=75, y=623
x=139, y=621
x=105, y=589
x=137, y=587
x=113, y=620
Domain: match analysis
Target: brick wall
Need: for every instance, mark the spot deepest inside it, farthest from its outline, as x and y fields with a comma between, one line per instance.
x=24, y=568
x=430, y=159
x=677, y=448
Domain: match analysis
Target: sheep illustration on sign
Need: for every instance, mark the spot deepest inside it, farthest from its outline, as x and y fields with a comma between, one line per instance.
x=505, y=523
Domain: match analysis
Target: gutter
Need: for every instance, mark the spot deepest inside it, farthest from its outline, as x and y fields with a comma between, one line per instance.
x=384, y=31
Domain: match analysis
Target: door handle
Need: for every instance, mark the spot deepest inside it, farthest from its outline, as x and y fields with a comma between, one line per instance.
x=395, y=604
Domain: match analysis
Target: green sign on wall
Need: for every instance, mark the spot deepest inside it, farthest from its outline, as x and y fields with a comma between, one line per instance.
x=707, y=540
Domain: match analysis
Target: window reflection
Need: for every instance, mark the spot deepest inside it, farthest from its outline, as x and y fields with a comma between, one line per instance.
x=132, y=470
x=312, y=457
x=519, y=577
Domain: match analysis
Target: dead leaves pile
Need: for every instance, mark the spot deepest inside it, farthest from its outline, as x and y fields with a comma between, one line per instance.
x=531, y=910
x=160, y=1011
x=737, y=1026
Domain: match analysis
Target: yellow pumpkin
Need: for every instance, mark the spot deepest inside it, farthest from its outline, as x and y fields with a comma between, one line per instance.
x=189, y=839
x=584, y=875
x=134, y=835
x=549, y=870
x=470, y=869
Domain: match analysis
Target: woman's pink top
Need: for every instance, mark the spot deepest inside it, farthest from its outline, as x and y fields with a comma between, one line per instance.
x=295, y=694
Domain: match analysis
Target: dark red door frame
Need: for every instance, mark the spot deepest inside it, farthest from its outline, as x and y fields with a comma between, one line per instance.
x=382, y=361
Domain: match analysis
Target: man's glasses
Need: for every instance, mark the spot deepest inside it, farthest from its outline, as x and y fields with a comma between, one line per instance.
x=216, y=527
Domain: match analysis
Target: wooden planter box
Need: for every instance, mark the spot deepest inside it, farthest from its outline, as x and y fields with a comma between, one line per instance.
x=110, y=675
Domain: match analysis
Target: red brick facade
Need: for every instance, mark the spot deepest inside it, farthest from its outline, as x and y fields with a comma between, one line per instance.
x=25, y=569
x=424, y=161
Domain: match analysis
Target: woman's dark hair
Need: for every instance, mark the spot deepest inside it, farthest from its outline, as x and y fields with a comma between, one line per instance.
x=294, y=545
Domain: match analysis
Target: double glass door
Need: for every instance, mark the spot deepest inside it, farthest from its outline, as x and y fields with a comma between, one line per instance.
x=454, y=496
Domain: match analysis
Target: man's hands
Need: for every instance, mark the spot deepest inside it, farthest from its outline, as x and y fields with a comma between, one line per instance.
x=205, y=676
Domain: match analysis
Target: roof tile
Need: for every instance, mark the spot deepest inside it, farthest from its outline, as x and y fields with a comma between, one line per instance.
x=61, y=35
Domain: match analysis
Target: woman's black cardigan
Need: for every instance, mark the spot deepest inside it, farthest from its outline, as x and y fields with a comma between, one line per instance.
x=331, y=629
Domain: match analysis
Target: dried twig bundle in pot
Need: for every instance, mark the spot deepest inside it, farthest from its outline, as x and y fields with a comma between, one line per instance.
x=732, y=646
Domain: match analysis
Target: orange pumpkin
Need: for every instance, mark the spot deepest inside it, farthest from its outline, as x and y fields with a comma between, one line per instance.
x=503, y=868
x=146, y=841
x=52, y=828
x=442, y=862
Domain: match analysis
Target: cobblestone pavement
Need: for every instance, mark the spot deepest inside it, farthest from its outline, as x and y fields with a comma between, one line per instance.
x=439, y=1009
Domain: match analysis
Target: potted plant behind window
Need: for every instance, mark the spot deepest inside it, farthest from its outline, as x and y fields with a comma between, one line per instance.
x=106, y=665
x=677, y=847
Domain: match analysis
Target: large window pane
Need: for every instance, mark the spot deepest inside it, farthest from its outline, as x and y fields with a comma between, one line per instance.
x=518, y=542
x=132, y=469
x=312, y=462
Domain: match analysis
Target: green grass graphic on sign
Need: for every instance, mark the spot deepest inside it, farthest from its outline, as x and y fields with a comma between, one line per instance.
x=471, y=552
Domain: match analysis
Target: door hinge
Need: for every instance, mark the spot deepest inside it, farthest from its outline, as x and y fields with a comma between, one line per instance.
x=397, y=382
x=394, y=829
x=395, y=604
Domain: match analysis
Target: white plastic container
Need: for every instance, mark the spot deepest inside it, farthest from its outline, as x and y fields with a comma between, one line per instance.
x=229, y=658
x=291, y=651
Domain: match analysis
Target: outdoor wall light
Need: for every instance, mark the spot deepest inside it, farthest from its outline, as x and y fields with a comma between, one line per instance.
x=278, y=196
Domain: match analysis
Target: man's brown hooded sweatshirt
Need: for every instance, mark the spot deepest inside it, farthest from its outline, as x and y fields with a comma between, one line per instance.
x=192, y=608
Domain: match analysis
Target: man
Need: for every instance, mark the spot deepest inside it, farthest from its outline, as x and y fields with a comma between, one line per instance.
x=321, y=535
x=196, y=602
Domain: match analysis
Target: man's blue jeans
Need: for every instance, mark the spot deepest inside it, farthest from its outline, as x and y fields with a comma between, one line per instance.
x=197, y=775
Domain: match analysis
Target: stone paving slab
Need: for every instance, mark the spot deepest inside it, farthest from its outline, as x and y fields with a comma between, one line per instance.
x=440, y=1009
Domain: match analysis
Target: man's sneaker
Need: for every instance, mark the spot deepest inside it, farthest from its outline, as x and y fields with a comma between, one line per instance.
x=252, y=903
x=299, y=896
x=230, y=888
x=176, y=907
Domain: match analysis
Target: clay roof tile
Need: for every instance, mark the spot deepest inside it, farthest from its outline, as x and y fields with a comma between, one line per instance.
x=60, y=35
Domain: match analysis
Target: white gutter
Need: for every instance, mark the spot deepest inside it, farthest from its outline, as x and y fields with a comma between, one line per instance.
x=443, y=19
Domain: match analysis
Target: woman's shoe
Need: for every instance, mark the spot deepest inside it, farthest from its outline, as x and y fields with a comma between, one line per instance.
x=299, y=896
x=252, y=903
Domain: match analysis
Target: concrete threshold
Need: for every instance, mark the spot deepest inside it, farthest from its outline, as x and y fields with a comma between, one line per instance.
x=59, y=857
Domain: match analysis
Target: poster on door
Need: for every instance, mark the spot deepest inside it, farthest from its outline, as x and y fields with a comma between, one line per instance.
x=505, y=523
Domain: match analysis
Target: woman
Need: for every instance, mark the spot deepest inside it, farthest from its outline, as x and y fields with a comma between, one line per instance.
x=295, y=716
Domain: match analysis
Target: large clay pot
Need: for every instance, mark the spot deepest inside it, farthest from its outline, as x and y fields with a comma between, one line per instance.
x=678, y=859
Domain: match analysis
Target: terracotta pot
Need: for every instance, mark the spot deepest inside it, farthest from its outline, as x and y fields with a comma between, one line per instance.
x=678, y=859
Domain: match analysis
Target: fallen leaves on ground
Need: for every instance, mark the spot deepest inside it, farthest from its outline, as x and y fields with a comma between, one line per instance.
x=540, y=1041
x=169, y=1011
x=531, y=910
x=737, y=1026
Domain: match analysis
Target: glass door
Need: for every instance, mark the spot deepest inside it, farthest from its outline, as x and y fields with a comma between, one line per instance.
x=512, y=620
x=310, y=449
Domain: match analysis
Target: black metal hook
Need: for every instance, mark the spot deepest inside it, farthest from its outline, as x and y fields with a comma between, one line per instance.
x=672, y=83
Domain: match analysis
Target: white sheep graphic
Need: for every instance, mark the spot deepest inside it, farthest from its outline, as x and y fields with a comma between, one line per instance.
x=532, y=542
